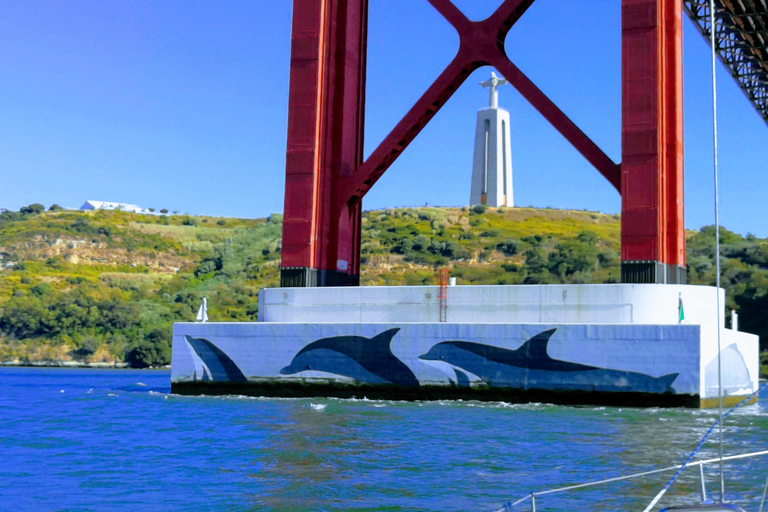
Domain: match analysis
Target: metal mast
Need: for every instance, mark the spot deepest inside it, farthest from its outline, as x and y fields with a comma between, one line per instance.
x=713, y=44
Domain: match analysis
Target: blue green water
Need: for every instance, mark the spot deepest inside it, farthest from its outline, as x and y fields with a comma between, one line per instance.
x=117, y=440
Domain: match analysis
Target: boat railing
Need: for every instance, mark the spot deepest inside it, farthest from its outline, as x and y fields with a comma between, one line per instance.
x=679, y=468
x=701, y=463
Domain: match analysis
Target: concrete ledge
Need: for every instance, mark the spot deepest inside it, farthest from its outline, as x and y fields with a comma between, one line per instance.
x=547, y=303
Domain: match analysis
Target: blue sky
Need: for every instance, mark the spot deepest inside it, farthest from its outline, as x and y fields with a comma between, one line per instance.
x=183, y=105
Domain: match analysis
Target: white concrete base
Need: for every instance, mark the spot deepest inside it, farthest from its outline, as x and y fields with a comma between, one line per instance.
x=618, y=344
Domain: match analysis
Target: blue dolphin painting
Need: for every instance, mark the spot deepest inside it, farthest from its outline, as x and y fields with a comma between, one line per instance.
x=530, y=367
x=367, y=360
x=220, y=365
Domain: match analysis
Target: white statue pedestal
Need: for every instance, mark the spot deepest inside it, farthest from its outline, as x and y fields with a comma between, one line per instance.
x=492, y=164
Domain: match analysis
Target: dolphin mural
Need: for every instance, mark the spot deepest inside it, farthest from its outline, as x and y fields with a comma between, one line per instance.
x=366, y=360
x=735, y=381
x=530, y=367
x=219, y=365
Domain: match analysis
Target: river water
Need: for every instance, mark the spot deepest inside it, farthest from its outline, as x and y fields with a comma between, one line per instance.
x=75, y=439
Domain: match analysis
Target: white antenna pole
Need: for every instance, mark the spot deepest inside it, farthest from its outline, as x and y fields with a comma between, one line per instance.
x=713, y=43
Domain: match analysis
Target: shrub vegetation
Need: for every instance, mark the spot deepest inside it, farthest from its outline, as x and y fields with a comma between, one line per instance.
x=110, y=285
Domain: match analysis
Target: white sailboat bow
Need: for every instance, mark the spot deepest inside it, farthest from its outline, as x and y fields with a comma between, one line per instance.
x=202, y=313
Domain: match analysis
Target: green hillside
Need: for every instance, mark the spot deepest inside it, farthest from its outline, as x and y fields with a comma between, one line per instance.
x=107, y=286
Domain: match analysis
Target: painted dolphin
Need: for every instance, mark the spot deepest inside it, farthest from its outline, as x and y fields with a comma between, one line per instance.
x=220, y=366
x=530, y=367
x=367, y=360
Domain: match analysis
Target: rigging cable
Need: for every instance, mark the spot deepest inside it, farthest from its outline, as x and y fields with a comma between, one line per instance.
x=713, y=45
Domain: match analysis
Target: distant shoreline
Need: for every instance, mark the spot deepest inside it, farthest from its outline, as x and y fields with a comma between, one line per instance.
x=76, y=364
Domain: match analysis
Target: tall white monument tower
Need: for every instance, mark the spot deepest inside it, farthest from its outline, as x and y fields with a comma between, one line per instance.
x=492, y=165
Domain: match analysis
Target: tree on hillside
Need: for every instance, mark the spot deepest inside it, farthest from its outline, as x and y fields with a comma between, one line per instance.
x=8, y=215
x=571, y=256
x=508, y=247
x=146, y=354
x=88, y=346
x=32, y=209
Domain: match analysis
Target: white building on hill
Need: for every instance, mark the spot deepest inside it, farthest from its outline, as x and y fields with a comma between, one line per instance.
x=103, y=205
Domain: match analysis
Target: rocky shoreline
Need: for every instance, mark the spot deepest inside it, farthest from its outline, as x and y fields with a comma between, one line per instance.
x=66, y=364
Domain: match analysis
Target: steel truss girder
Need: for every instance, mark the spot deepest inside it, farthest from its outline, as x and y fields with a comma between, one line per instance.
x=741, y=40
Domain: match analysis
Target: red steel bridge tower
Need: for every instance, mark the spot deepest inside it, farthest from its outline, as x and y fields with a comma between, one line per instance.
x=327, y=178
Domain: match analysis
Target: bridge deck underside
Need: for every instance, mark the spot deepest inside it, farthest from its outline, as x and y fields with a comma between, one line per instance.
x=741, y=39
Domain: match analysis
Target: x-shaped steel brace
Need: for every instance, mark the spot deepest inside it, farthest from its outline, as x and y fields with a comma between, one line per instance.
x=481, y=44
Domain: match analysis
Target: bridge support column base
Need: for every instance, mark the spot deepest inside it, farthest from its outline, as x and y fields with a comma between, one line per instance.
x=305, y=277
x=654, y=272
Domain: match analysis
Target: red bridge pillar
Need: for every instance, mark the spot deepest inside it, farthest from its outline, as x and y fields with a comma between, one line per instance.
x=652, y=230
x=326, y=177
x=321, y=232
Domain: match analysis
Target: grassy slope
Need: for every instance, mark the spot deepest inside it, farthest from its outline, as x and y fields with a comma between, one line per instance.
x=142, y=272
x=479, y=258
